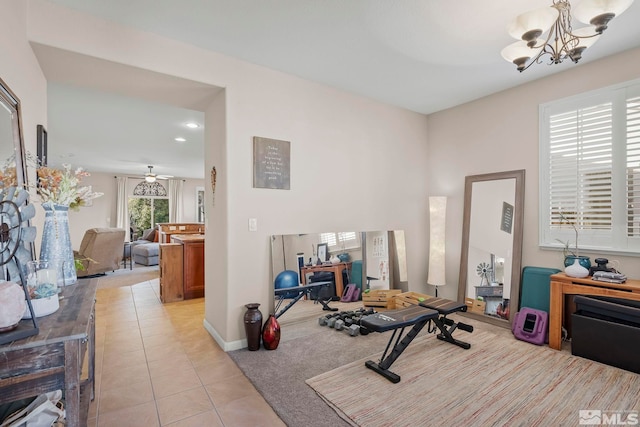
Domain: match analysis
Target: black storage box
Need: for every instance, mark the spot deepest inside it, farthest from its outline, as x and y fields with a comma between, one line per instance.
x=607, y=330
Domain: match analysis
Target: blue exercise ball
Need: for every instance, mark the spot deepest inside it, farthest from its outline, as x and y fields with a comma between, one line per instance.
x=286, y=279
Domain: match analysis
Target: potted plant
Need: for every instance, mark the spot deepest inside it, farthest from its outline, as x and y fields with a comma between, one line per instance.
x=571, y=256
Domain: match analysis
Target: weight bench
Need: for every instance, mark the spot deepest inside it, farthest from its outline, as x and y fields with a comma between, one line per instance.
x=418, y=316
x=284, y=293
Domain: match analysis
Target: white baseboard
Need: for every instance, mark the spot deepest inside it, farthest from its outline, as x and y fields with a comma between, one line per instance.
x=226, y=346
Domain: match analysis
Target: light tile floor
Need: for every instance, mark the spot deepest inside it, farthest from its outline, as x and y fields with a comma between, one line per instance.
x=156, y=365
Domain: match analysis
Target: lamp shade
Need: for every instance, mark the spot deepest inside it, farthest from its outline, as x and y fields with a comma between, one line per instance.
x=587, y=10
x=532, y=23
x=437, y=222
x=585, y=36
x=519, y=50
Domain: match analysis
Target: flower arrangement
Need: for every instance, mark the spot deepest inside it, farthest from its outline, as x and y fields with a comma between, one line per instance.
x=62, y=187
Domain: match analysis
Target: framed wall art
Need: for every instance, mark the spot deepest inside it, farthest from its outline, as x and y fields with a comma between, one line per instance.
x=323, y=251
x=271, y=163
x=41, y=149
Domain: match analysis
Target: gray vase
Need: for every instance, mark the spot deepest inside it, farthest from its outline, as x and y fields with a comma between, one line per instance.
x=56, y=244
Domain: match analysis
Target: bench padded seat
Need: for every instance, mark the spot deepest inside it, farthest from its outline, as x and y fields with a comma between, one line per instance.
x=443, y=306
x=394, y=319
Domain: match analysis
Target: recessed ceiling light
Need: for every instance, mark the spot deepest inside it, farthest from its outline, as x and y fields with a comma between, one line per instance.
x=180, y=139
x=192, y=125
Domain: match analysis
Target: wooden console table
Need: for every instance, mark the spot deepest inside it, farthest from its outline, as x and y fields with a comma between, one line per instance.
x=53, y=359
x=336, y=269
x=562, y=285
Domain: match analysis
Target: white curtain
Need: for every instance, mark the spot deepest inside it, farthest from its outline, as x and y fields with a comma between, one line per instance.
x=122, y=207
x=175, y=200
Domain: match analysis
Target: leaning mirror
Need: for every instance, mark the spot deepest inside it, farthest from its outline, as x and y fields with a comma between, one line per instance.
x=492, y=245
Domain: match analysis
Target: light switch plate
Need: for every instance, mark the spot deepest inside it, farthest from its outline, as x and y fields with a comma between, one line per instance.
x=253, y=224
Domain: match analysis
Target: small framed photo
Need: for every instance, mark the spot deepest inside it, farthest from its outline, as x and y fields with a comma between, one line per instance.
x=323, y=251
x=41, y=149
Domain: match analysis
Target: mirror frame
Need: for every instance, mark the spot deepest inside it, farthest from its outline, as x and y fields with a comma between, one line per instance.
x=9, y=98
x=518, y=224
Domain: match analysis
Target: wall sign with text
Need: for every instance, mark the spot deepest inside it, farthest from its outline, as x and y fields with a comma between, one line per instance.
x=271, y=163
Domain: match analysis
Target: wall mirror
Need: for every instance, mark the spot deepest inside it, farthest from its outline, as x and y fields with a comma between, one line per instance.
x=376, y=259
x=12, y=155
x=491, y=254
x=13, y=171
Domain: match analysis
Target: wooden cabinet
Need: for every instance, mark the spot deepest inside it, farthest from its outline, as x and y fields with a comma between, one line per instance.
x=171, y=272
x=192, y=264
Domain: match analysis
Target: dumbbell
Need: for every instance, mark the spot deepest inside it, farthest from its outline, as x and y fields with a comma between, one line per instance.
x=352, y=330
x=324, y=320
x=365, y=312
x=332, y=322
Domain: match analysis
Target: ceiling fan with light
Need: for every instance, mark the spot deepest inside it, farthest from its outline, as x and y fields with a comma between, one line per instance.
x=151, y=177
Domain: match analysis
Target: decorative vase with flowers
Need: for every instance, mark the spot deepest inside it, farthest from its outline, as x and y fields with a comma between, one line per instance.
x=59, y=191
x=576, y=265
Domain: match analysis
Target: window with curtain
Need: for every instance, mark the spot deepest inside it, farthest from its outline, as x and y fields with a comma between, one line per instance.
x=590, y=170
x=146, y=212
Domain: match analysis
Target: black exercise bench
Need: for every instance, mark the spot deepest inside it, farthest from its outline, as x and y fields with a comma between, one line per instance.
x=300, y=291
x=432, y=309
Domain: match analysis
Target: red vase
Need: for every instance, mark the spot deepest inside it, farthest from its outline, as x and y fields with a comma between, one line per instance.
x=271, y=333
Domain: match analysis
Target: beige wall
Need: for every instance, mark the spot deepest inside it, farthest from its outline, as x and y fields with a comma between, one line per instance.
x=355, y=163
x=500, y=133
x=20, y=71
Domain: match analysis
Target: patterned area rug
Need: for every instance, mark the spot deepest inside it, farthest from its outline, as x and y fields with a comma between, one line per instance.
x=498, y=382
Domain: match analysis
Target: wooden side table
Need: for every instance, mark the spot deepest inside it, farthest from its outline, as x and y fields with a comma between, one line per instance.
x=53, y=359
x=562, y=285
x=336, y=269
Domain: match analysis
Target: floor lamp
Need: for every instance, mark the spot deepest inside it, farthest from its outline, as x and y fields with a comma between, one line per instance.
x=437, y=216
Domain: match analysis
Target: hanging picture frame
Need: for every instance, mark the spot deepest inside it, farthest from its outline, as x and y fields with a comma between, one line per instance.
x=41, y=149
x=271, y=163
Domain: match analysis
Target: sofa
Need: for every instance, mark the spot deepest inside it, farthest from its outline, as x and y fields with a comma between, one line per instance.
x=146, y=250
x=100, y=251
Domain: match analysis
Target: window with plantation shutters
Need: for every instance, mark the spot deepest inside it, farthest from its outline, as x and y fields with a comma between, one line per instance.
x=590, y=171
x=341, y=240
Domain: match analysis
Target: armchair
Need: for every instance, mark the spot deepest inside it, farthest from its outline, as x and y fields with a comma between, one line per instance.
x=100, y=251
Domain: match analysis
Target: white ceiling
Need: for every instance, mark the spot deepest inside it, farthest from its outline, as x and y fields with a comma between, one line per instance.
x=421, y=55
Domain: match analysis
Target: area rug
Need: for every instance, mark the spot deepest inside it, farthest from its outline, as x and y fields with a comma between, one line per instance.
x=498, y=382
x=127, y=277
x=306, y=350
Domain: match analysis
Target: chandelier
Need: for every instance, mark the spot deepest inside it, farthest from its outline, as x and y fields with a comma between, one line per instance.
x=561, y=40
